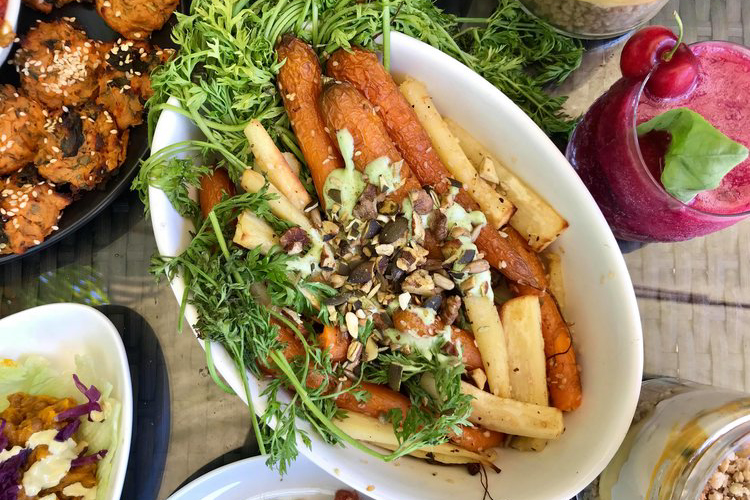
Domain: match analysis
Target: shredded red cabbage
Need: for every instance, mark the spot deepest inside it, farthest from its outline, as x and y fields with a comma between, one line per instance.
x=88, y=459
x=10, y=475
x=3, y=440
x=91, y=393
x=68, y=431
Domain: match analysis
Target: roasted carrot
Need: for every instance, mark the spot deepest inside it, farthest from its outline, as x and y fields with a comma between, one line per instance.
x=464, y=340
x=300, y=83
x=382, y=399
x=563, y=377
x=335, y=341
x=343, y=107
x=408, y=321
x=291, y=347
x=477, y=439
x=378, y=399
x=213, y=188
x=362, y=69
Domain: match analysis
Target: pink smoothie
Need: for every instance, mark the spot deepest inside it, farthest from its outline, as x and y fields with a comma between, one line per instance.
x=625, y=178
x=722, y=98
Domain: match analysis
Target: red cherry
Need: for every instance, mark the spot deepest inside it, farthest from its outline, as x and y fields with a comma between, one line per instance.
x=674, y=77
x=644, y=50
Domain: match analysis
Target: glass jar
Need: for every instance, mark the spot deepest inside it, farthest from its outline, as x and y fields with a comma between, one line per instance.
x=681, y=433
x=594, y=18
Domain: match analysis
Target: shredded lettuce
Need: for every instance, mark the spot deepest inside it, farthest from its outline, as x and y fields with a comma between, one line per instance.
x=34, y=375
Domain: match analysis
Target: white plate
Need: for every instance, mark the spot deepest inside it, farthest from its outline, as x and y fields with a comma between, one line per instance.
x=59, y=332
x=600, y=303
x=250, y=479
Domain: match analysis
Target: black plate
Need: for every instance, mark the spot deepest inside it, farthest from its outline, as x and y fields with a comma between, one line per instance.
x=91, y=203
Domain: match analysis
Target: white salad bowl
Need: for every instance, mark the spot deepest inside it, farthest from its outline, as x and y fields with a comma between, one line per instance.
x=600, y=303
x=10, y=21
x=59, y=333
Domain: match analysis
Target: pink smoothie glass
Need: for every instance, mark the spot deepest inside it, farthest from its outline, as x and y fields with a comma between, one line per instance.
x=605, y=151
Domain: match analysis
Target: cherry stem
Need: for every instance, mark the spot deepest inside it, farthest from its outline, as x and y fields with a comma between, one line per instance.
x=668, y=55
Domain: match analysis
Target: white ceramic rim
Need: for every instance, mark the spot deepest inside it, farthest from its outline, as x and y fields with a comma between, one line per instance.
x=11, y=17
x=113, y=340
x=170, y=237
x=254, y=467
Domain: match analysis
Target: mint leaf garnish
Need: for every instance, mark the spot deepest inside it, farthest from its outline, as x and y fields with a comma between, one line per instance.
x=699, y=155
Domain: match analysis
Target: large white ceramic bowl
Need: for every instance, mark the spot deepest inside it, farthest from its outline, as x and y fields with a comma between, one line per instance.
x=10, y=17
x=599, y=295
x=59, y=332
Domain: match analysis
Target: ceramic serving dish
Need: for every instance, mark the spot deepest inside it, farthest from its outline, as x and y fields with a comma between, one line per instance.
x=599, y=297
x=59, y=333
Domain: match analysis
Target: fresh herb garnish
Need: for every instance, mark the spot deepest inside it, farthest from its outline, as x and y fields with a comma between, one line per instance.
x=224, y=75
x=698, y=156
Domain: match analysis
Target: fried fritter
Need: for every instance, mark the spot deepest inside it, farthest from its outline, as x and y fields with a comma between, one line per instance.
x=125, y=85
x=21, y=127
x=136, y=19
x=83, y=148
x=29, y=210
x=58, y=64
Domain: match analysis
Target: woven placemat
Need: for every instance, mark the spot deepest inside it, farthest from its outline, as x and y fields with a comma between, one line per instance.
x=694, y=296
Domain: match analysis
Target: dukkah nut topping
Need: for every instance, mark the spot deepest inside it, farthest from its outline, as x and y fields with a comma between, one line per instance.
x=388, y=256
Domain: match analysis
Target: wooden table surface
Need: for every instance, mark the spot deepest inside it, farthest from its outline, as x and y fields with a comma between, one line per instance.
x=694, y=296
